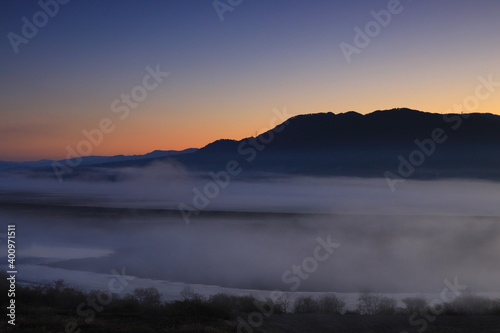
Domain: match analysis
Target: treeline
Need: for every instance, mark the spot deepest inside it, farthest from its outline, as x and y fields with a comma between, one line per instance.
x=143, y=306
x=375, y=304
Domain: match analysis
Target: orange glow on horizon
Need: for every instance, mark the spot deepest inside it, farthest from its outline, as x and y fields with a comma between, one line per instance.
x=138, y=138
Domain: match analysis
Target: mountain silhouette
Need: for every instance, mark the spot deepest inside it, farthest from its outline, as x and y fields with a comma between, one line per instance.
x=352, y=144
x=399, y=142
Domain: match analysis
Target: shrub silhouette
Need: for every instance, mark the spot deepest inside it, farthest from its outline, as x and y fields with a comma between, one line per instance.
x=415, y=304
x=495, y=306
x=148, y=296
x=306, y=304
x=188, y=294
x=470, y=304
x=331, y=304
x=372, y=304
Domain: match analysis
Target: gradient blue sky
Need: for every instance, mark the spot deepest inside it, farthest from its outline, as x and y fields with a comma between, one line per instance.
x=226, y=77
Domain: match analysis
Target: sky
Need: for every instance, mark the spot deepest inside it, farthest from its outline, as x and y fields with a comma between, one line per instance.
x=228, y=68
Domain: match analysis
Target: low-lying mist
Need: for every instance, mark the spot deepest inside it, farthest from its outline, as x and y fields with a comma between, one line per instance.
x=257, y=228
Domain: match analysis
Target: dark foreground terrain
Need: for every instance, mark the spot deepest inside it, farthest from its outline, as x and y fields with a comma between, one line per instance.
x=320, y=323
x=44, y=320
x=57, y=307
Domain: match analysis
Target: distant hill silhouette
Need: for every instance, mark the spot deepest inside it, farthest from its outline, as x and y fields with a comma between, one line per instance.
x=93, y=160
